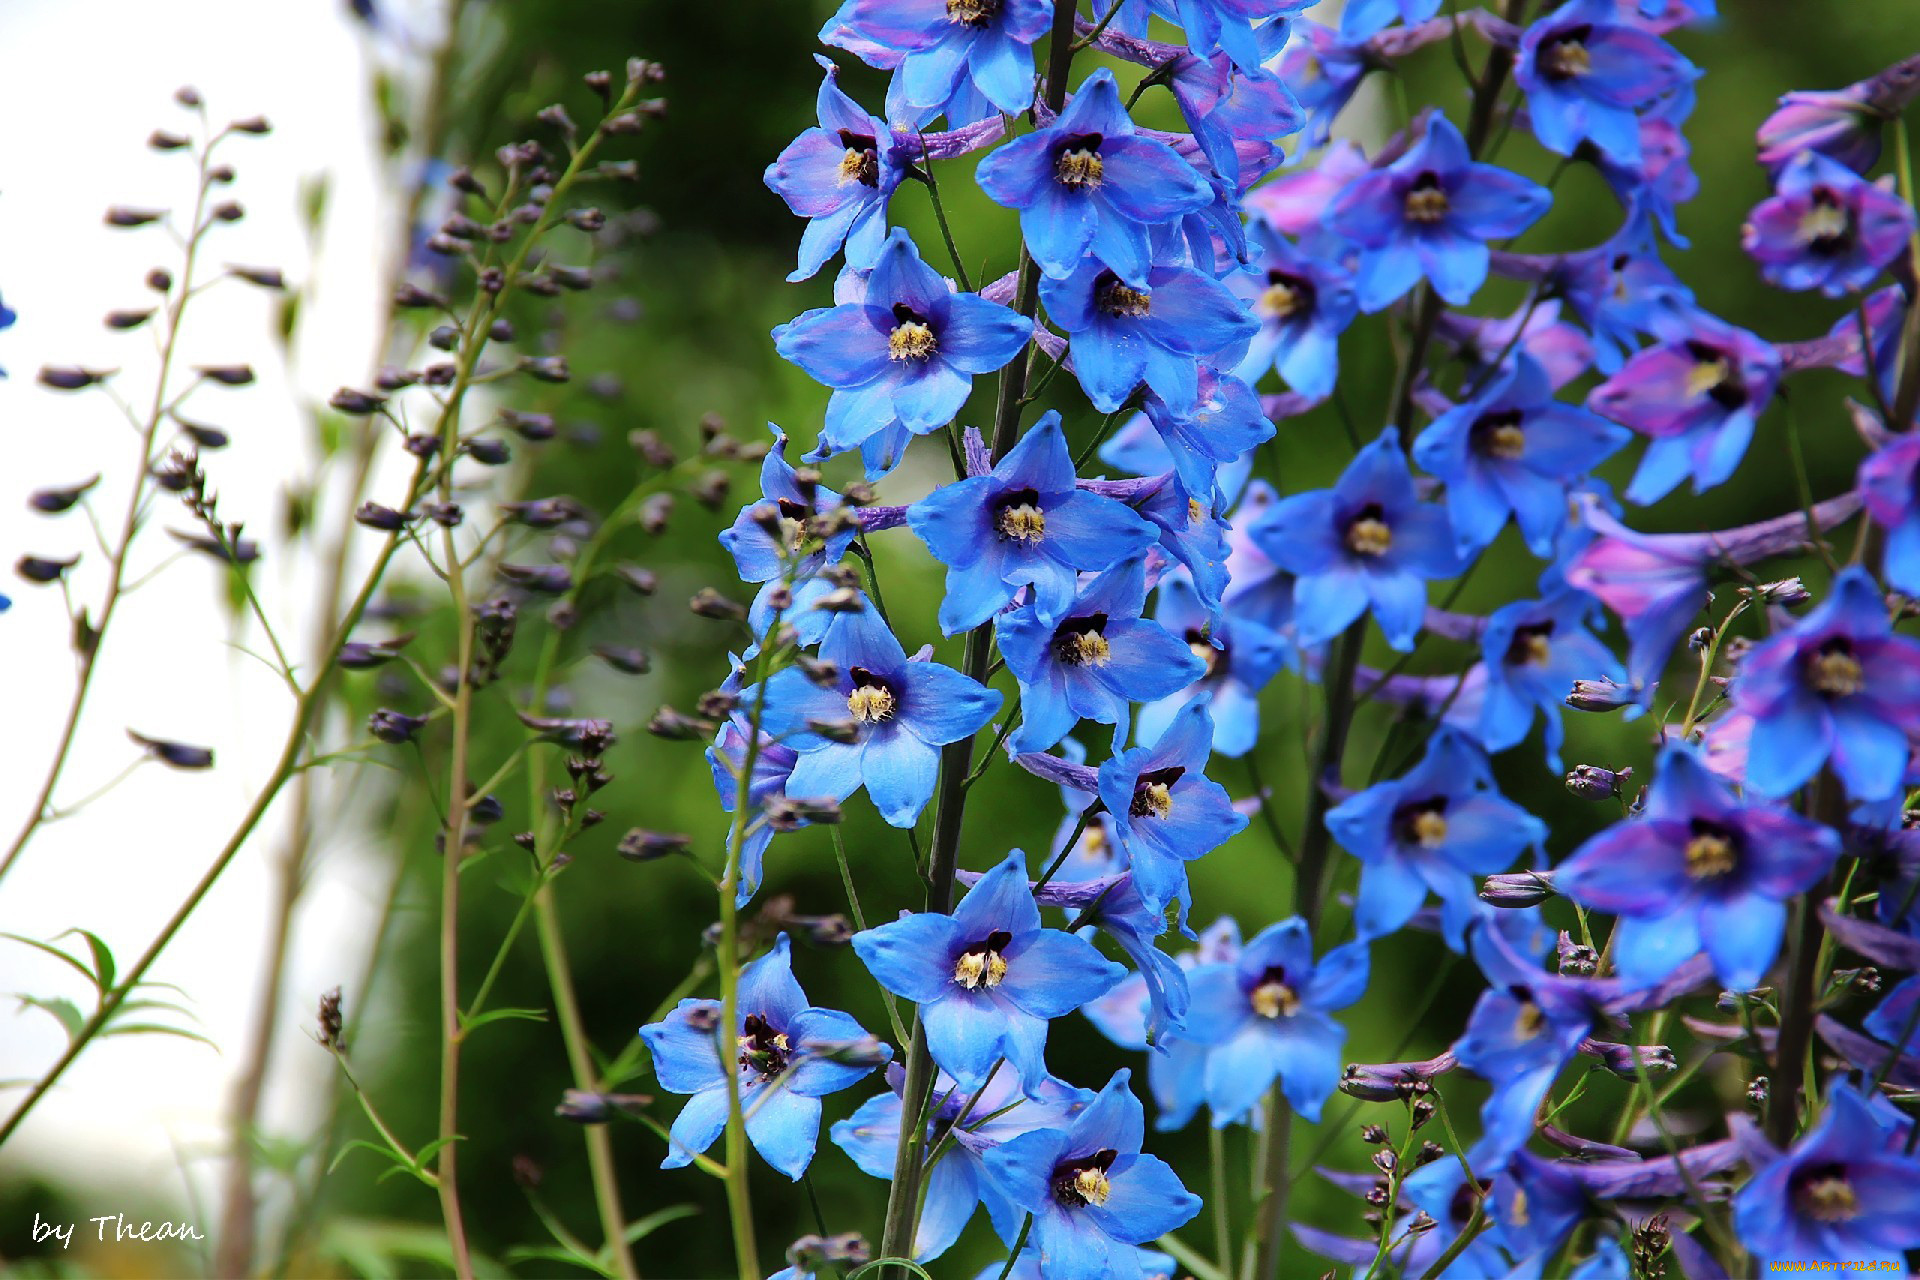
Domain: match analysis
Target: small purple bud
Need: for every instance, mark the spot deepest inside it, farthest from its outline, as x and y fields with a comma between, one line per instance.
x=168, y=140
x=1518, y=888
x=255, y=125
x=53, y=501
x=489, y=452
x=677, y=726
x=546, y=368
x=176, y=755
x=628, y=661
x=354, y=403
x=260, y=277
x=640, y=581
x=866, y=1051
x=583, y=1107
x=1591, y=782
x=123, y=216
x=709, y=603
x=365, y=655
x=227, y=375
x=591, y=736
x=545, y=579
x=204, y=436
x=394, y=726
x=386, y=519
x=1599, y=695
x=125, y=321
x=43, y=569
x=73, y=377
x=1575, y=959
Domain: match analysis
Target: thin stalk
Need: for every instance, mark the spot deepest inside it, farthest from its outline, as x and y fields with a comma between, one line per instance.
x=1019, y=1243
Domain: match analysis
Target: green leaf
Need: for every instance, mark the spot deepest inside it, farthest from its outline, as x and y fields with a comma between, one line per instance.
x=554, y=1253
x=103, y=966
x=156, y=1029
x=646, y=1226
x=66, y=1012
x=53, y=951
x=496, y=1015
x=362, y=1144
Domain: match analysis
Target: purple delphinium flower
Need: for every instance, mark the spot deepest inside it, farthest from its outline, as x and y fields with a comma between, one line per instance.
x=782, y=1077
x=1617, y=289
x=1093, y=1196
x=839, y=177
x=1237, y=658
x=1430, y=213
x=1840, y=685
x=1089, y=185
x=1586, y=72
x=1094, y=662
x=987, y=978
x=1845, y=1195
x=1826, y=228
x=1696, y=395
x=1022, y=524
x=958, y=1181
x=1440, y=826
x=1533, y=651
x=1325, y=69
x=1888, y=479
x=902, y=713
x=1367, y=542
x=1122, y=336
x=1266, y=1015
x=1844, y=124
x=1699, y=871
x=1166, y=811
x=908, y=352
x=966, y=58
x=1303, y=301
x=1514, y=450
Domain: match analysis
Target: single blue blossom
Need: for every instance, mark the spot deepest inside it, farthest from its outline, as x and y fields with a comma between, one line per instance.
x=1586, y=73
x=778, y=1051
x=1223, y=425
x=1238, y=657
x=774, y=543
x=1025, y=523
x=1122, y=335
x=839, y=177
x=968, y=59
x=1303, y=299
x=1533, y=651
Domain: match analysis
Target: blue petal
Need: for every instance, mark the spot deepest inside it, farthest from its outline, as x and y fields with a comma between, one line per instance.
x=783, y=1127
x=911, y=956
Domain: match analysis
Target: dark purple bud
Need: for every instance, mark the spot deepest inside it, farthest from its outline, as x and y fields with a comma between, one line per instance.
x=227, y=375
x=543, y=513
x=229, y=211
x=528, y=426
x=444, y=338
x=865, y=1051
x=544, y=579
x=221, y=174
x=123, y=321
x=159, y=280
x=676, y=726
x=639, y=581
x=255, y=125
x=53, y=501
x=628, y=661
x=811, y=1255
x=1786, y=592
x=43, y=569
x=655, y=451
x=204, y=436
x=583, y=1107
x=1385, y=1081
x=421, y=445
x=123, y=216
x=394, y=726
x=365, y=655
x=655, y=512
x=641, y=845
x=545, y=368
x=411, y=297
x=73, y=377
x=1591, y=782
x=1599, y=695
x=709, y=603
x=263, y=277
x=332, y=1022
x=489, y=452
x=1517, y=888
x=462, y=179
x=168, y=140
x=588, y=220
x=177, y=755
x=1575, y=959
x=591, y=736
x=1621, y=1059
x=385, y=519
x=354, y=403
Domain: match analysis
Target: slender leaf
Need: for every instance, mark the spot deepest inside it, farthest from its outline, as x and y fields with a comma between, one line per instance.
x=103, y=965
x=78, y=967
x=65, y=1011
x=496, y=1015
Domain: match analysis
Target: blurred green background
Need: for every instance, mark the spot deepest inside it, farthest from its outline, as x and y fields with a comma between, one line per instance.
x=710, y=282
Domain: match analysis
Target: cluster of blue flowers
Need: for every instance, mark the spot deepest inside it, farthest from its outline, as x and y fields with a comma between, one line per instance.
x=1196, y=285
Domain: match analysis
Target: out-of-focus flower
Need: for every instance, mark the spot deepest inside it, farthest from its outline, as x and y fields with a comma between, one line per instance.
x=1826, y=228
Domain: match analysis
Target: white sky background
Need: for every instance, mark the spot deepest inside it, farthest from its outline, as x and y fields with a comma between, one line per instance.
x=82, y=83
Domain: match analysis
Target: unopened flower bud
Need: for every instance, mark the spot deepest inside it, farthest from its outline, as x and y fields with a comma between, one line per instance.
x=255, y=125
x=227, y=375
x=544, y=579
x=677, y=727
x=651, y=448
x=177, y=755
x=411, y=297
x=821, y=671
x=1599, y=695
x=72, y=377
x=583, y=1107
x=259, y=277
x=655, y=512
x=385, y=519
x=332, y=1022
x=1591, y=782
x=626, y=660
x=1517, y=888
x=1422, y=1112
x=1374, y=1134
x=865, y=1051
x=124, y=216
x=546, y=368
x=641, y=845
x=168, y=140
x=844, y=732
x=639, y=581
x=124, y=321
x=709, y=603
x=1575, y=959
x=1700, y=639
x=42, y=570
x=52, y=502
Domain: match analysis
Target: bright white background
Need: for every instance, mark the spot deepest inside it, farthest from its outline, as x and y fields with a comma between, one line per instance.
x=82, y=83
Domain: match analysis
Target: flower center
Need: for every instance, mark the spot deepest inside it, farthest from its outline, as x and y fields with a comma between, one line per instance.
x=1532, y=645
x=1368, y=534
x=1200, y=645
x=1499, y=435
x=1834, y=671
x=1153, y=793
x=870, y=701
x=793, y=523
x=1081, y=642
x=1195, y=512
x=972, y=13
x=1078, y=164
x=1712, y=851
x=1567, y=56
x=1715, y=374
x=1286, y=296
x=763, y=1050
x=1117, y=299
x=1825, y=1195
x=1424, y=824
x=1077, y=1183
x=982, y=965
x=1426, y=200
x=1274, y=997
x=861, y=163
x=912, y=337
x=1528, y=1020
x=1021, y=518
x=1826, y=226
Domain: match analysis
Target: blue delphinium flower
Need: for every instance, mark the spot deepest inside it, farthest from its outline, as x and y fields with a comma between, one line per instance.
x=1430, y=213
x=902, y=713
x=958, y=1181
x=1533, y=651
x=1367, y=542
x=839, y=177
x=1586, y=72
x=1093, y=662
x=1888, y=485
x=1325, y=69
x=1266, y=1016
x=1304, y=301
x=1123, y=336
x=782, y=1075
x=1166, y=811
x=1023, y=524
x=772, y=765
x=966, y=58
x=1439, y=826
x=1089, y=185
x=1362, y=18
x=1223, y=426
x=987, y=978
x=1093, y=1195
x=1617, y=288
x=785, y=506
x=1699, y=871
x=1177, y=1070
x=1846, y=1195
x=1839, y=686
x=1514, y=449
x=1826, y=228
x=1238, y=657
x=1192, y=534
x=1696, y=394
x=908, y=352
